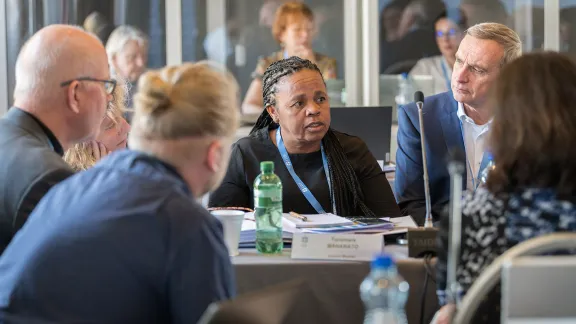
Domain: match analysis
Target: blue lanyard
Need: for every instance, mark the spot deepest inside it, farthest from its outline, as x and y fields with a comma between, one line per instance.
x=446, y=76
x=305, y=191
x=485, y=160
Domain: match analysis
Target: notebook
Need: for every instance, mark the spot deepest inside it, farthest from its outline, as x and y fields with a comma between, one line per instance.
x=317, y=220
x=353, y=228
x=396, y=225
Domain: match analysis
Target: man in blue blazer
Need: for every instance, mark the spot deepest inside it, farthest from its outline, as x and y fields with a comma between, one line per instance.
x=457, y=119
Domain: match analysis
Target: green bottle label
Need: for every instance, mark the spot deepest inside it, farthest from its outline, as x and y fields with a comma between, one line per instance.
x=274, y=195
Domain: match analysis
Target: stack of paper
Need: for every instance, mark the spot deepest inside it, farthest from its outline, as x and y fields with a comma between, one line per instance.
x=318, y=221
x=248, y=234
x=322, y=223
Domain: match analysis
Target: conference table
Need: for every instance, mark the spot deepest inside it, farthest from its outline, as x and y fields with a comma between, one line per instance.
x=335, y=284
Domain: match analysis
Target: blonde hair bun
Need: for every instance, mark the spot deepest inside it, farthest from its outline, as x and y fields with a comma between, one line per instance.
x=192, y=99
x=153, y=95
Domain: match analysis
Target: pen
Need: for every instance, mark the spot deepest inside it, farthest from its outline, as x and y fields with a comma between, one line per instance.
x=300, y=217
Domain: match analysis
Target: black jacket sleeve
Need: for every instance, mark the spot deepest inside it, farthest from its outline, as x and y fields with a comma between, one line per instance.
x=234, y=190
x=378, y=195
x=35, y=192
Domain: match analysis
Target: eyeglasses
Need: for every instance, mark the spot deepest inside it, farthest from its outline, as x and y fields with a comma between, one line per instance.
x=109, y=85
x=451, y=33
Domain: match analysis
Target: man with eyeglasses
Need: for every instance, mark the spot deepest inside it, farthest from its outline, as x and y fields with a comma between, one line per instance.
x=62, y=90
x=458, y=119
x=449, y=27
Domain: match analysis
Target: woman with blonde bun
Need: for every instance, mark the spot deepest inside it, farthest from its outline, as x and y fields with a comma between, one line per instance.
x=125, y=241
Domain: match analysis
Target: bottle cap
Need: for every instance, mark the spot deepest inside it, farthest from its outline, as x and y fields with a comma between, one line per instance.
x=267, y=166
x=383, y=261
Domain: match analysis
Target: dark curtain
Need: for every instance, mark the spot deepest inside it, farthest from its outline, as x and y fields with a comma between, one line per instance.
x=25, y=17
x=193, y=30
x=149, y=16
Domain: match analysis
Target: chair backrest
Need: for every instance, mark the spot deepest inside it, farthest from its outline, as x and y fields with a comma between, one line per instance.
x=372, y=124
x=390, y=86
x=401, y=67
x=279, y=304
x=491, y=275
x=539, y=289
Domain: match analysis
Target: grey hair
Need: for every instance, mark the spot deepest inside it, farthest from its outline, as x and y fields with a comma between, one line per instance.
x=501, y=34
x=121, y=36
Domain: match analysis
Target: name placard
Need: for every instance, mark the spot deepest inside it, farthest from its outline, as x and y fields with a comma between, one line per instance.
x=360, y=247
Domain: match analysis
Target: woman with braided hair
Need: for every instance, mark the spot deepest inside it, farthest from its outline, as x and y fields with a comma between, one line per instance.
x=294, y=132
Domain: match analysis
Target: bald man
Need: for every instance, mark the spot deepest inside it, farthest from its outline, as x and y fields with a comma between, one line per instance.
x=62, y=91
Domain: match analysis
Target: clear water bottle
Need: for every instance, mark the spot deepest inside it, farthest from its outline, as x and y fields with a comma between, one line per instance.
x=489, y=167
x=268, y=210
x=405, y=91
x=384, y=293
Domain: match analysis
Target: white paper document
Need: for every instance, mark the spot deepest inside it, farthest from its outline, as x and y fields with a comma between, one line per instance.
x=401, y=224
x=317, y=220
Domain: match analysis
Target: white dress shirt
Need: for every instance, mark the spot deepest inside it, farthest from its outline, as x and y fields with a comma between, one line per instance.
x=433, y=66
x=474, y=141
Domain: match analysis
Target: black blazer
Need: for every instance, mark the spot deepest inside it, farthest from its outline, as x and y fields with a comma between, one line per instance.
x=29, y=167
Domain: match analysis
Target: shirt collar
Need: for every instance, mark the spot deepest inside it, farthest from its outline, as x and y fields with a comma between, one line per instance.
x=460, y=112
x=464, y=118
x=156, y=163
x=56, y=146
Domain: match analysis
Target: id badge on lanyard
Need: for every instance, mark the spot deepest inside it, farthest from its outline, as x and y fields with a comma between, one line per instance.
x=303, y=188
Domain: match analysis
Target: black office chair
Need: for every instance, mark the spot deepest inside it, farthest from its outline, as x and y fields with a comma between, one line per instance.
x=291, y=302
x=401, y=67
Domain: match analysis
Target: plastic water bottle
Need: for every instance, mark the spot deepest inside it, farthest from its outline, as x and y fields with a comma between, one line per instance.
x=405, y=91
x=489, y=167
x=384, y=293
x=268, y=210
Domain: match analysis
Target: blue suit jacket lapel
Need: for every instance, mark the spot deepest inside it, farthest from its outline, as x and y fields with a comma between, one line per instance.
x=452, y=130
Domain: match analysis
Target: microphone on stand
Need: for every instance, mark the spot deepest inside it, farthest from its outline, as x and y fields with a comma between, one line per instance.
x=456, y=168
x=419, y=99
x=422, y=240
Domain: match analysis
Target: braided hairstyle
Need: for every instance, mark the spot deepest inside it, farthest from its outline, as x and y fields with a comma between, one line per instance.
x=346, y=190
